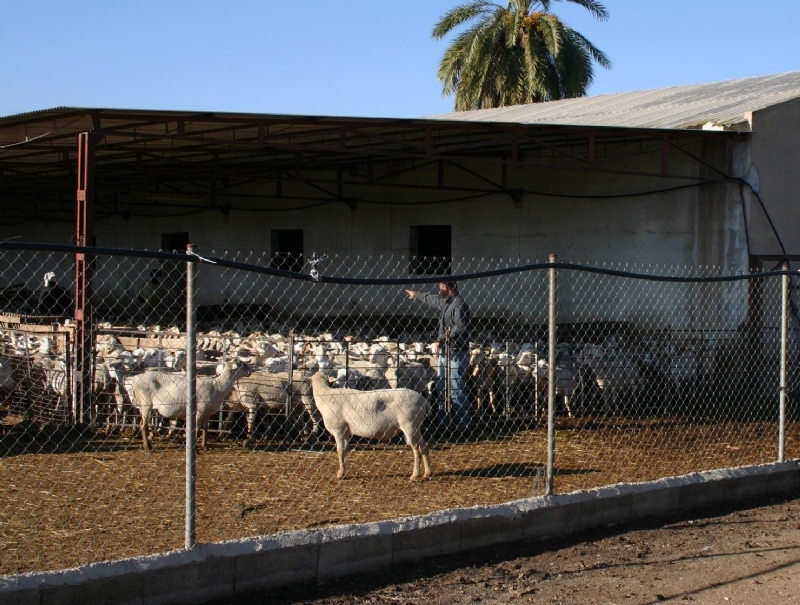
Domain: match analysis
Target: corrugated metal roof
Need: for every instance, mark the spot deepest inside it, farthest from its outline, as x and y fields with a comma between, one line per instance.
x=681, y=107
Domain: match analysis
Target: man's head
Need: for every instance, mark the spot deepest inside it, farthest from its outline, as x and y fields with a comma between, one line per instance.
x=49, y=279
x=447, y=289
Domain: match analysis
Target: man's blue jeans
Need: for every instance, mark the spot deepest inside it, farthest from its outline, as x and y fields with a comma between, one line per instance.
x=459, y=415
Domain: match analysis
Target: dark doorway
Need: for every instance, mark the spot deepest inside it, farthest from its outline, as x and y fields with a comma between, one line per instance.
x=430, y=250
x=287, y=250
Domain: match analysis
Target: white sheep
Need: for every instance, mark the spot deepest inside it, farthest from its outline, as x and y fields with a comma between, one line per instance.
x=414, y=375
x=165, y=393
x=378, y=415
x=51, y=374
x=269, y=391
x=350, y=378
x=616, y=374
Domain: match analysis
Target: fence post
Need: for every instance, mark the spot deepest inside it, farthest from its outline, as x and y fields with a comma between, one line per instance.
x=84, y=270
x=784, y=349
x=191, y=399
x=551, y=378
x=448, y=391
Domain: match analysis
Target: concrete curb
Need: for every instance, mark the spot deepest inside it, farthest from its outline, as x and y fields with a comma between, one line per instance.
x=230, y=568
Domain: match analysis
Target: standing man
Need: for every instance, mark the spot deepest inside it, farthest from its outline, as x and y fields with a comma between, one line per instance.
x=453, y=323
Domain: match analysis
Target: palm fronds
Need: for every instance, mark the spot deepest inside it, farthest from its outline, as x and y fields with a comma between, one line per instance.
x=520, y=53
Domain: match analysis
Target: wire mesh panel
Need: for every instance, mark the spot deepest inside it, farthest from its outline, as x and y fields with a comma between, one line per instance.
x=76, y=486
x=319, y=401
x=671, y=378
x=281, y=465
x=38, y=376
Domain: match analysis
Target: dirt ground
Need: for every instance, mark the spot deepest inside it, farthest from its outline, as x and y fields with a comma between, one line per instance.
x=66, y=502
x=744, y=556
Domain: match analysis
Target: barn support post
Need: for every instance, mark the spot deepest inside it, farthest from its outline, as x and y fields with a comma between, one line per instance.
x=784, y=351
x=551, y=378
x=84, y=331
x=191, y=400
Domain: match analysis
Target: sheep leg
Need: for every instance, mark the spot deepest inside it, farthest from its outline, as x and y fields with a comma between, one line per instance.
x=145, y=427
x=415, y=451
x=420, y=450
x=313, y=414
x=122, y=413
x=202, y=425
x=226, y=425
x=341, y=451
x=426, y=459
x=251, y=423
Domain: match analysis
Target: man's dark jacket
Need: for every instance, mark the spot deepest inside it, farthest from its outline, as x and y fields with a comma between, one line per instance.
x=453, y=314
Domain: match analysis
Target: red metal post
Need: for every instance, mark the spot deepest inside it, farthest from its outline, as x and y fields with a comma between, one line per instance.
x=84, y=341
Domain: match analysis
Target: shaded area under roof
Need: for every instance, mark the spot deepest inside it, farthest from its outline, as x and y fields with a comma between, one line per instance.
x=679, y=107
x=206, y=161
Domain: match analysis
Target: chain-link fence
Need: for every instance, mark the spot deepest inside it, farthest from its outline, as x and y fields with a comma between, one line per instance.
x=639, y=373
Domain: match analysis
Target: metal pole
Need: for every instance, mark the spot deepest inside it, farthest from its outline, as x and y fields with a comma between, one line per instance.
x=347, y=356
x=784, y=349
x=551, y=386
x=84, y=328
x=191, y=398
x=447, y=387
x=536, y=387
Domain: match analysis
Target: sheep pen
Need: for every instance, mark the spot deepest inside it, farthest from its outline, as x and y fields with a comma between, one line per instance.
x=69, y=501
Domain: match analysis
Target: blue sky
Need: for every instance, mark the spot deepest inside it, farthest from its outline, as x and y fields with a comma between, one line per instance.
x=344, y=57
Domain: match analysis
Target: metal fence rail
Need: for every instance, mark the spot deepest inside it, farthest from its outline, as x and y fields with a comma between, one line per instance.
x=570, y=377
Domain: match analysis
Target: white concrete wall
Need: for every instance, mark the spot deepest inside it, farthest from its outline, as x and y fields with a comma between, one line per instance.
x=690, y=227
x=775, y=152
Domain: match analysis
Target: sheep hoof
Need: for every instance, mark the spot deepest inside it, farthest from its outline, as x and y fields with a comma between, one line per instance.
x=340, y=475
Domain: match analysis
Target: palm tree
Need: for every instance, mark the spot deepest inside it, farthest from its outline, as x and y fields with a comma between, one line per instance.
x=521, y=53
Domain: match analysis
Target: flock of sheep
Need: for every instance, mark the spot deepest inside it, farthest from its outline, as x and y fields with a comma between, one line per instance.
x=375, y=389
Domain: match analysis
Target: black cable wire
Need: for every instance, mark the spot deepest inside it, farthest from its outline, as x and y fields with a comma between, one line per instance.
x=616, y=196
x=221, y=262
x=383, y=203
x=769, y=218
